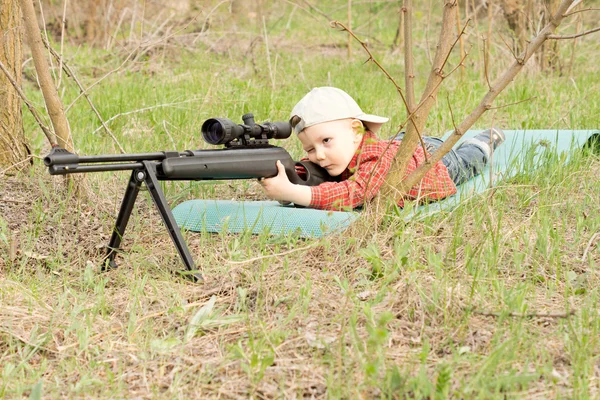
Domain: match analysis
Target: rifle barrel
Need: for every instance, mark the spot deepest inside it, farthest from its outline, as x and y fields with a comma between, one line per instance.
x=123, y=157
x=77, y=168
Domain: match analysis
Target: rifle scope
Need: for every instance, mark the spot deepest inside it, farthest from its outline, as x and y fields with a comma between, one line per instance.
x=225, y=131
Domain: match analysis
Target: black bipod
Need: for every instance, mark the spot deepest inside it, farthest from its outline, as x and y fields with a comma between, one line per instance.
x=147, y=174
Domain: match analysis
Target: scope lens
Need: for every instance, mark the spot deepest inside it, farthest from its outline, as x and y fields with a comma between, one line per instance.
x=217, y=130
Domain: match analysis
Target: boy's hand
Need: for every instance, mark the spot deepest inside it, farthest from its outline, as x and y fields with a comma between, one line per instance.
x=280, y=188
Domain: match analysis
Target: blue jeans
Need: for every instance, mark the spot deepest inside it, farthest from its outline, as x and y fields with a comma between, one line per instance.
x=463, y=163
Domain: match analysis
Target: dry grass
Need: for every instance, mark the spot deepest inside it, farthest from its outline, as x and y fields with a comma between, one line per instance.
x=462, y=304
x=304, y=324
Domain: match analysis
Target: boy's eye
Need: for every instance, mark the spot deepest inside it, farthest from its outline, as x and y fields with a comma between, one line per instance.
x=326, y=140
x=310, y=150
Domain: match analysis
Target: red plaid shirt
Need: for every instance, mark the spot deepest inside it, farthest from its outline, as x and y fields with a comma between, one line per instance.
x=366, y=172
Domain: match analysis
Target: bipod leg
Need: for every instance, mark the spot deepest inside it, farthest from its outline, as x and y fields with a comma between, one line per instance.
x=133, y=188
x=165, y=212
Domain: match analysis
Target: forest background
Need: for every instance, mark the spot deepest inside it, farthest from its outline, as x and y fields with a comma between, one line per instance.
x=497, y=298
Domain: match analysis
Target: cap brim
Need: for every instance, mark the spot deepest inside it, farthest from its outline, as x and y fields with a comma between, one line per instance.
x=373, y=122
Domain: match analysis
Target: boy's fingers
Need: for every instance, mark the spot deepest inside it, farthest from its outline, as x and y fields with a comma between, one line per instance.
x=280, y=167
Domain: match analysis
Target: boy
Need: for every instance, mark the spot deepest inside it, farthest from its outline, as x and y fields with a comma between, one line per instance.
x=337, y=135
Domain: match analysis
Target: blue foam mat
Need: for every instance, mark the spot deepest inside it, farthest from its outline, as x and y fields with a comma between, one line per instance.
x=522, y=150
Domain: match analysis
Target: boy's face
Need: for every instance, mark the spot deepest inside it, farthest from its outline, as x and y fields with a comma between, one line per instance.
x=332, y=144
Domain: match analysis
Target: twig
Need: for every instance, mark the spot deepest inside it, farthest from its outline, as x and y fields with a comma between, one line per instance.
x=145, y=109
x=266, y=40
x=70, y=73
x=519, y=315
x=101, y=79
x=582, y=10
x=409, y=74
x=206, y=295
x=27, y=342
x=169, y=133
x=462, y=42
x=589, y=246
x=15, y=165
x=338, y=24
x=572, y=6
x=462, y=32
x=49, y=135
x=317, y=10
x=399, y=37
x=574, y=46
x=511, y=104
x=349, y=43
x=576, y=35
x=14, y=201
x=451, y=113
x=508, y=47
x=486, y=63
x=204, y=25
x=273, y=255
x=63, y=22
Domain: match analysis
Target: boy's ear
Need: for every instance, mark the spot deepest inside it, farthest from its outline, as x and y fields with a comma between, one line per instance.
x=358, y=128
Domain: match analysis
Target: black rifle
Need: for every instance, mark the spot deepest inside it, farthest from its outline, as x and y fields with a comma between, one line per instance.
x=247, y=154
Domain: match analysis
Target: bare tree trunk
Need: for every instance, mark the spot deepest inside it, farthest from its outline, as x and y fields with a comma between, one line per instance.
x=416, y=124
x=12, y=139
x=53, y=103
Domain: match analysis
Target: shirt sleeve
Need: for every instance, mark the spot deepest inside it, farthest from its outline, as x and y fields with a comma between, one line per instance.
x=363, y=185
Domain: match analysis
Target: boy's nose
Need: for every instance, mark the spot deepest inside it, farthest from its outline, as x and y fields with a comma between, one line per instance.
x=320, y=154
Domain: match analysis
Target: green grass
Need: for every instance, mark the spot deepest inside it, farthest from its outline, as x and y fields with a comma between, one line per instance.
x=452, y=306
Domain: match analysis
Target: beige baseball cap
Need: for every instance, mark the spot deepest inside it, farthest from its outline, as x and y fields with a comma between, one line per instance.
x=324, y=104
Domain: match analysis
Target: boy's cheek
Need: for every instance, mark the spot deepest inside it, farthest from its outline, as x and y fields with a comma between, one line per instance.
x=312, y=159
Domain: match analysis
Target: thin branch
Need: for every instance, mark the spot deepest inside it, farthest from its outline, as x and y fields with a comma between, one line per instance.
x=574, y=36
x=70, y=73
x=512, y=104
x=572, y=6
x=461, y=34
x=284, y=253
x=519, y=315
x=146, y=109
x=49, y=135
x=13, y=166
x=589, y=246
x=409, y=73
x=486, y=61
x=339, y=25
x=312, y=7
x=451, y=113
x=101, y=79
x=508, y=47
x=582, y=10
x=462, y=42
